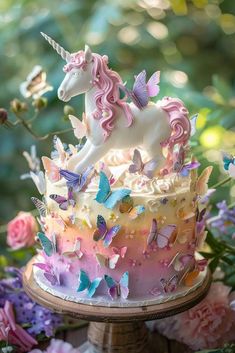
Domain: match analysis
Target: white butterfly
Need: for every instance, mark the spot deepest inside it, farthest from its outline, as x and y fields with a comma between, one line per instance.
x=80, y=127
x=39, y=181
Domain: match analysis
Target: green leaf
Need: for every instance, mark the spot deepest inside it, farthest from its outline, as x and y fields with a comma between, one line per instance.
x=213, y=264
x=227, y=260
x=207, y=255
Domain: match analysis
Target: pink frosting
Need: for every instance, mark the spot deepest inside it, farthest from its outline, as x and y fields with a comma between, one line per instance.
x=107, y=97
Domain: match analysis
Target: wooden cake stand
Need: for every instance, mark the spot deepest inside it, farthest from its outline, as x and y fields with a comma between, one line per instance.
x=114, y=329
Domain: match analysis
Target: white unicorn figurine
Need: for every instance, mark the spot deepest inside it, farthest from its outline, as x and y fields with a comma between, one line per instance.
x=112, y=123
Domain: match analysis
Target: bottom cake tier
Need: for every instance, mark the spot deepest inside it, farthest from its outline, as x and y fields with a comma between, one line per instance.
x=68, y=291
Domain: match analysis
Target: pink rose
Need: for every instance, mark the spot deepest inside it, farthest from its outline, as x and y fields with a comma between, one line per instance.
x=209, y=324
x=11, y=332
x=21, y=231
x=58, y=346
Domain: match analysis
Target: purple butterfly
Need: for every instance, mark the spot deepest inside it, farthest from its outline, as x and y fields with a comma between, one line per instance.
x=76, y=181
x=140, y=167
x=48, y=273
x=142, y=91
x=164, y=236
x=118, y=289
x=64, y=202
x=169, y=285
x=178, y=163
x=103, y=233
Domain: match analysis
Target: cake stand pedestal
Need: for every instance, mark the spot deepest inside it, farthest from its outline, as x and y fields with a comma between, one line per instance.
x=115, y=329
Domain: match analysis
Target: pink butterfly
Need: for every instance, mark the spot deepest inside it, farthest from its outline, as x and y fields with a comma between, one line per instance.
x=80, y=127
x=164, y=236
x=142, y=91
x=181, y=261
x=109, y=262
x=52, y=170
x=64, y=202
x=169, y=285
x=139, y=166
x=120, y=251
x=76, y=252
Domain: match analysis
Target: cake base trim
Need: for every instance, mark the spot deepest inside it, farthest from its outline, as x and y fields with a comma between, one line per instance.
x=105, y=301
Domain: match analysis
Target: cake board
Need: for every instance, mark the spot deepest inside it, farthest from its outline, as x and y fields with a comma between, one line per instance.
x=114, y=329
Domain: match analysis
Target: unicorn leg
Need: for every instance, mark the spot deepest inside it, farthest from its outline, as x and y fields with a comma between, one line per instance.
x=73, y=161
x=155, y=152
x=92, y=156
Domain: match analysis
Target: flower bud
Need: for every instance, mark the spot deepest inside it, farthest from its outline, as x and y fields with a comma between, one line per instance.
x=3, y=116
x=18, y=107
x=68, y=110
x=40, y=103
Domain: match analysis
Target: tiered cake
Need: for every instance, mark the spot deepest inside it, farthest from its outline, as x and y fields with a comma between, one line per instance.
x=122, y=215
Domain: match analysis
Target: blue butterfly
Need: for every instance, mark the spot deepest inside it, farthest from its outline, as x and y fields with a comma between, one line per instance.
x=118, y=289
x=85, y=283
x=106, y=196
x=49, y=246
x=227, y=160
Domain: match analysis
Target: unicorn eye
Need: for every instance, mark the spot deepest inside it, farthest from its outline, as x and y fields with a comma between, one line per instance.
x=75, y=74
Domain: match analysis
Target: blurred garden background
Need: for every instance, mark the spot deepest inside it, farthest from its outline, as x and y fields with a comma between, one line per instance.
x=192, y=43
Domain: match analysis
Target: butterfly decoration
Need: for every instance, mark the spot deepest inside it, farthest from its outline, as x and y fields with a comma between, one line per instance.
x=118, y=289
x=42, y=224
x=103, y=233
x=229, y=163
x=180, y=167
x=33, y=162
x=76, y=252
x=169, y=285
x=52, y=170
x=127, y=206
x=49, y=246
x=139, y=166
x=86, y=284
x=142, y=91
x=105, y=169
x=60, y=149
x=80, y=128
x=39, y=181
x=49, y=274
x=64, y=202
x=193, y=123
x=181, y=261
x=77, y=181
x=184, y=213
x=40, y=205
x=35, y=84
x=120, y=251
x=164, y=236
x=109, y=262
x=106, y=196
x=200, y=184
x=191, y=275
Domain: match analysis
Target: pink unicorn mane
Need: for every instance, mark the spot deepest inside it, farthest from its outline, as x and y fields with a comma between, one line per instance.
x=179, y=121
x=107, y=97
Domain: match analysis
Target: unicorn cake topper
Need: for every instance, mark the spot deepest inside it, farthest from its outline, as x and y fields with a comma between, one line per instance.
x=112, y=122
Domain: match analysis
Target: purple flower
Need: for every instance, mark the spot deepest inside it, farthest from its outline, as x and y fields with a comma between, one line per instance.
x=225, y=220
x=37, y=318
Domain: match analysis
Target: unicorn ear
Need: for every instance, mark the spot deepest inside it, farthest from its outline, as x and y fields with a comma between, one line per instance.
x=88, y=54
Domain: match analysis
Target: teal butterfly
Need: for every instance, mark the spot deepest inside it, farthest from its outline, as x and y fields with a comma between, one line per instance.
x=227, y=160
x=49, y=246
x=85, y=283
x=106, y=196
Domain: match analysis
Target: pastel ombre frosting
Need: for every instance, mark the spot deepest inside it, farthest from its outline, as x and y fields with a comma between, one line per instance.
x=154, y=272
